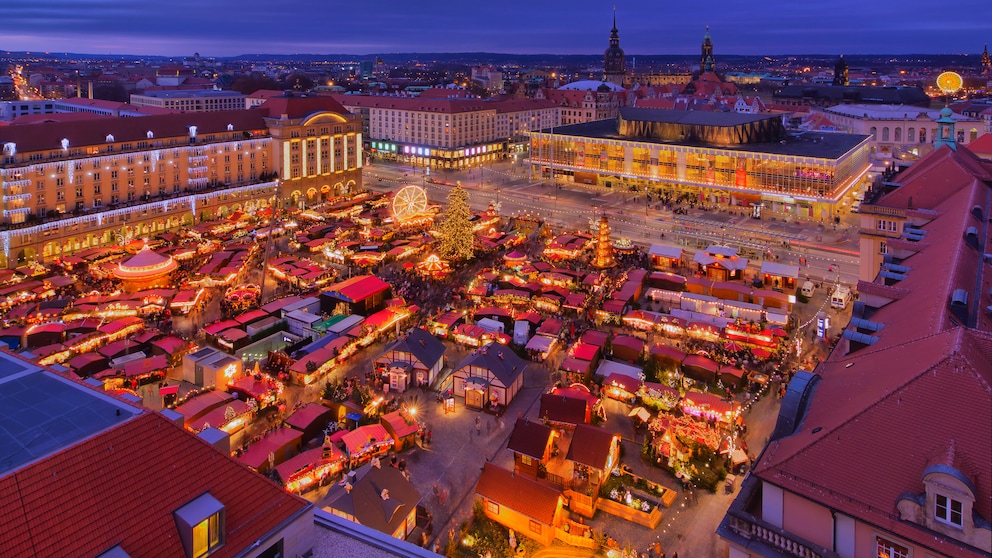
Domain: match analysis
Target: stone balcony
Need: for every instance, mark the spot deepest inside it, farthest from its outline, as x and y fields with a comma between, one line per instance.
x=742, y=528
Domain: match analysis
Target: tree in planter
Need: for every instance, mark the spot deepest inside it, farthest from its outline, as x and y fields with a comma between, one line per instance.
x=456, y=227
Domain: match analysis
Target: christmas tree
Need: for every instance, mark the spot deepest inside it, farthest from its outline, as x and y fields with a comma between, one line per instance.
x=456, y=227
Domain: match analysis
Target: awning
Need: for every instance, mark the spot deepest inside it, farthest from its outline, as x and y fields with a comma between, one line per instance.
x=641, y=413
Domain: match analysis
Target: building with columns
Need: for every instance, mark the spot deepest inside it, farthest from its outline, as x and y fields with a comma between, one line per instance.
x=80, y=184
x=898, y=131
x=726, y=159
x=316, y=148
x=883, y=449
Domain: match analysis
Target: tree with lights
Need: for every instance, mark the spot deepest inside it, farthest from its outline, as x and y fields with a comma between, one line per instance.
x=456, y=227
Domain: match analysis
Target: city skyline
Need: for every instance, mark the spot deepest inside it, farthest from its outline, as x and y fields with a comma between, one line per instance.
x=117, y=27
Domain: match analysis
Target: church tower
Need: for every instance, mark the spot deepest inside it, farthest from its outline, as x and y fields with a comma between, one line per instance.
x=945, y=130
x=986, y=60
x=614, y=64
x=840, y=72
x=706, y=62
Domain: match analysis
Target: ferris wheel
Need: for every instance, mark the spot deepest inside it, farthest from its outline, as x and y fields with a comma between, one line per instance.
x=409, y=202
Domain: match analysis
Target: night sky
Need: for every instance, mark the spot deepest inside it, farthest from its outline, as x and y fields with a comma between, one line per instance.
x=231, y=27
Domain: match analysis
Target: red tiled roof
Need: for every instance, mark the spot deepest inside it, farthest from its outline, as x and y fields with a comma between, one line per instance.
x=520, y=494
x=47, y=136
x=982, y=145
x=157, y=468
x=301, y=107
x=923, y=360
x=848, y=466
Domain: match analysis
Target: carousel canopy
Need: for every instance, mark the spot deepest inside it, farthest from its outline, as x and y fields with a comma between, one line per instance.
x=145, y=263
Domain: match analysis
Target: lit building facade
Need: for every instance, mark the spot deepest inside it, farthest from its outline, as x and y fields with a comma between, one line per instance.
x=75, y=185
x=898, y=131
x=190, y=100
x=721, y=158
x=316, y=148
x=448, y=133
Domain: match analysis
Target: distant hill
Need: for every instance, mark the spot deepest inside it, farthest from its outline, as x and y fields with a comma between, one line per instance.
x=547, y=59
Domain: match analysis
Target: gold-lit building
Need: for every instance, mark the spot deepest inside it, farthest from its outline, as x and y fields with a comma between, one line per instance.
x=447, y=133
x=726, y=159
x=79, y=184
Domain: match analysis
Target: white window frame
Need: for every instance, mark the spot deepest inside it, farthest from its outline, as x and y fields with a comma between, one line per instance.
x=944, y=509
x=885, y=548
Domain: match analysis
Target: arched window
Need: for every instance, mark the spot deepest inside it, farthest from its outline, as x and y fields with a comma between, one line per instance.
x=885, y=133
x=898, y=135
x=873, y=131
x=911, y=135
x=923, y=135
x=973, y=135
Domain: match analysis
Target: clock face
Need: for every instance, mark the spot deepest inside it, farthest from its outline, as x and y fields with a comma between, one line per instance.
x=949, y=82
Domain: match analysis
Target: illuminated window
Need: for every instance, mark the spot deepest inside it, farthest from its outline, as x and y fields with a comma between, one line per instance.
x=492, y=507
x=947, y=510
x=534, y=527
x=201, y=526
x=525, y=459
x=889, y=549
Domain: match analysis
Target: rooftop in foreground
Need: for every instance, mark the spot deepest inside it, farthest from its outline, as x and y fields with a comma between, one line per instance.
x=42, y=413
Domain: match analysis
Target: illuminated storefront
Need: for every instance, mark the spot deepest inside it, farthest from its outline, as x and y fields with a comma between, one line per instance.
x=728, y=159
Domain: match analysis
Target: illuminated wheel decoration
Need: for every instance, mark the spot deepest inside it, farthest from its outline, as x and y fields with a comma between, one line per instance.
x=949, y=82
x=409, y=202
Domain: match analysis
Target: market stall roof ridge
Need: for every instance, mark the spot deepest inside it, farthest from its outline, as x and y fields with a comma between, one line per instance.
x=520, y=494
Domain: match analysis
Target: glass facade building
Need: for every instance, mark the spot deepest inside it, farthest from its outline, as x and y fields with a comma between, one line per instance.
x=806, y=175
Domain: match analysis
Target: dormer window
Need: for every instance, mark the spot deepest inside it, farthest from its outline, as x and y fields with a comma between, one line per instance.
x=201, y=526
x=948, y=510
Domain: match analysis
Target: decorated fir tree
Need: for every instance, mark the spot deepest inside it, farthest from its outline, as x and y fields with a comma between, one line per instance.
x=456, y=227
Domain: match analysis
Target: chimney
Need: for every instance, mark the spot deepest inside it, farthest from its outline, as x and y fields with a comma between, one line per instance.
x=89, y=86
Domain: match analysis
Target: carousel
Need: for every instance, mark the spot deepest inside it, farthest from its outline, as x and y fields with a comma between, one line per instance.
x=146, y=270
x=243, y=297
x=433, y=267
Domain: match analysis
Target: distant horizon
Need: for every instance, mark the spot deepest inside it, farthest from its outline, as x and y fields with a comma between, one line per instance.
x=179, y=57
x=223, y=29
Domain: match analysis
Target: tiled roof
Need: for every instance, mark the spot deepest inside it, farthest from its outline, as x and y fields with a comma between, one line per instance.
x=301, y=107
x=499, y=360
x=590, y=446
x=529, y=438
x=840, y=459
x=925, y=383
x=122, y=486
x=48, y=136
x=520, y=494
